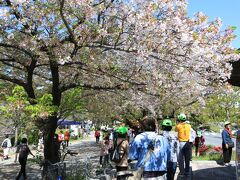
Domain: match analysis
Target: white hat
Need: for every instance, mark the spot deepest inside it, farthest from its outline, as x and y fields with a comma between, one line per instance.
x=226, y=123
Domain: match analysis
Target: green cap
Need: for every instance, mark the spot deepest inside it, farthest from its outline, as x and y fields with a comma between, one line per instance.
x=182, y=117
x=122, y=130
x=199, y=133
x=167, y=122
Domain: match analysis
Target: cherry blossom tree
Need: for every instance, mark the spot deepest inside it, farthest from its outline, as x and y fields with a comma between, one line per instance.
x=150, y=50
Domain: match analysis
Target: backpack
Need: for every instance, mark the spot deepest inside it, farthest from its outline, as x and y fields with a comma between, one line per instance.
x=4, y=145
x=116, y=156
x=23, y=151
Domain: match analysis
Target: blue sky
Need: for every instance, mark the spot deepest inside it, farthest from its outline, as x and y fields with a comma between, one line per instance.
x=227, y=10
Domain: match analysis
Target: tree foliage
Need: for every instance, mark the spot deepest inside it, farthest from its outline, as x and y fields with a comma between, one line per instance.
x=219, y=107
x=13, y=108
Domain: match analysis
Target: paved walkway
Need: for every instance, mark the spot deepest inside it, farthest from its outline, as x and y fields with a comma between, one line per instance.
x=210, y=170
x=9, y=169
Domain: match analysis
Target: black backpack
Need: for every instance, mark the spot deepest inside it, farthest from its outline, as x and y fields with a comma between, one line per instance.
x=23, y=151
x=4, y=145
x=116, y=156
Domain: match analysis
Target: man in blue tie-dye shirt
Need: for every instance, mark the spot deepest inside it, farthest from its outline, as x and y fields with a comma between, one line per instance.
x=157, y=145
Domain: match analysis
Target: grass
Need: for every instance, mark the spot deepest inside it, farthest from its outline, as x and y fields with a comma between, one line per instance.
x=208, y=157
x=212, y=157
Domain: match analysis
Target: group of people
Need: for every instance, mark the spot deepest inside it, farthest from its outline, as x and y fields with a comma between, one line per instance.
x=157, y=154
x=63, y=138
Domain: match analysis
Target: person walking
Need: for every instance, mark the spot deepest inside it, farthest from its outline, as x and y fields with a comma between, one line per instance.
x=22, y=154
x=97, y=135
x=61, y=138
x=227, y=143
x=183, y=129
x=151, y=151
x=123, y=150
x=66, y=137
x=191, y=139
x=174, y=148
x=199, y=141
x=6, y=145
x=104, y=153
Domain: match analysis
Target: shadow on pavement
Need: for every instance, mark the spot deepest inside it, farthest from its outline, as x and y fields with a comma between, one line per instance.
x=9, y=172
x=182, y=177
x=219, y=173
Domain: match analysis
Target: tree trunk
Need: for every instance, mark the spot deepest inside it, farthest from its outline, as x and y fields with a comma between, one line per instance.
x=16, y=136
x=50, y=148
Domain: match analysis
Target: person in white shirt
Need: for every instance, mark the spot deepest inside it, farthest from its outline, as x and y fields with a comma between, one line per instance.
x=191, y=138
x=6, y=145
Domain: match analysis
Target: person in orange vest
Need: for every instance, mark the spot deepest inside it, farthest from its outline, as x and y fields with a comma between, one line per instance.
x=183, y=129
x=66, y=137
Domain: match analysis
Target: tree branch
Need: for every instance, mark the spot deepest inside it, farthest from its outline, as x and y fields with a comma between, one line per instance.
x=88, y=86
x=56, y=93
x=30, y=70
x=18, y=48
x=12, y=65
x=18, y=16
x=12, y=80
x=109, y=47
x=72, y=37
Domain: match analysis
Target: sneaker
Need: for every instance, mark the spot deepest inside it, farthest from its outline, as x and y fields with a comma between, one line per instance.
x=227, y=164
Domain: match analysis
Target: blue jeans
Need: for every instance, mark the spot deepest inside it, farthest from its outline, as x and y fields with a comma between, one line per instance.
x=171, y=170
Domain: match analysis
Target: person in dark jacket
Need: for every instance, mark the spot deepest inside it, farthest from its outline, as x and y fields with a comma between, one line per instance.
x=198, y=142
x=227, y=143
x=22, y=153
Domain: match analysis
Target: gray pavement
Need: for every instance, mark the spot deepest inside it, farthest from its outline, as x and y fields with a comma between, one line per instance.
x=9, y=169
x=210, y=170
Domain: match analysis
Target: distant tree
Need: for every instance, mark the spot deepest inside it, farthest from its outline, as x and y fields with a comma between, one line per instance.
x=12, y=111
x=219, y=107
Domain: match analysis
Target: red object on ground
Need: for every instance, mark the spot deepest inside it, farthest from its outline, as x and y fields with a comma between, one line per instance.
x=202, y=149
x=218, y=148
